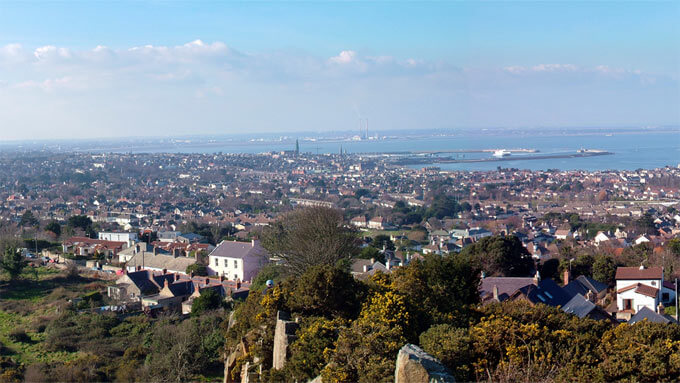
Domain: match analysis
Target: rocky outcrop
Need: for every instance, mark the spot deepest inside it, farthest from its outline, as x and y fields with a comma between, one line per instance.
x=416, y=366
x=284, y=334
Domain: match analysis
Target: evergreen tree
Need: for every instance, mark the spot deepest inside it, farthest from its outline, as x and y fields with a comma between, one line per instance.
x=13, y=262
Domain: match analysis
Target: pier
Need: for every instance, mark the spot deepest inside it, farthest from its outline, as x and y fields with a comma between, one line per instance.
x=449, y=160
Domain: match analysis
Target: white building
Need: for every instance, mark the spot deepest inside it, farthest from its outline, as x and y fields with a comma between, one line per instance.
x=129, y=238
x=637, y=288
x=237, y=260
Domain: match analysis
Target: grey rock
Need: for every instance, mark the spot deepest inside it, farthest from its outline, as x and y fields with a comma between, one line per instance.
x=416, y=366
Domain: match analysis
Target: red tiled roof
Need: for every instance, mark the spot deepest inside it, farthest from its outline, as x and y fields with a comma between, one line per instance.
x=647, y=290
x=641, y=289
x=637, y=273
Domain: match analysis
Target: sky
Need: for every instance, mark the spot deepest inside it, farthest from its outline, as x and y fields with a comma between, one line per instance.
x=91, y=69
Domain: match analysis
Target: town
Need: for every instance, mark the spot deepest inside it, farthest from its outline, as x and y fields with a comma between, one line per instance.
x=153, y=234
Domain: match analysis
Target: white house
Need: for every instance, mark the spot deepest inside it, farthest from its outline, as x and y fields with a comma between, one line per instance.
x=129, y=238
x=601, y=237
x=378, y=223
x=237, y=260
x=637, y=287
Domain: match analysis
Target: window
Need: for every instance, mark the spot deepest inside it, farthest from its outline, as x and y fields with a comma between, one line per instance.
x=665, y=297
x=627, y=304
x=235, y=264
x=653, y=283
x=235, y=277
x=217, y=262
x=225, y=264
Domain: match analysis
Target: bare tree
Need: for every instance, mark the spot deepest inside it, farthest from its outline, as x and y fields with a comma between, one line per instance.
x=308, y=237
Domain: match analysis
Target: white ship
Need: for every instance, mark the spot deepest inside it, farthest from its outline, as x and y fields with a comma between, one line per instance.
x=501, y=153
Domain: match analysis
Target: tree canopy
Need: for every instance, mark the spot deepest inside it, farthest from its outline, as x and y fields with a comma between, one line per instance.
x=311, y=236
x=501, y=256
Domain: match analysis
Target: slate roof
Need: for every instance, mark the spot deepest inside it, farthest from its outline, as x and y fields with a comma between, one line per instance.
x=651, y=316
x=161, y=261
x=582, y=285
x=506, y=285
x=579, y=306
x=547, y=292
x=240, y=250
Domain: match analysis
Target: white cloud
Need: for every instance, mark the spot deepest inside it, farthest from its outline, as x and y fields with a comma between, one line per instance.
x=210, y=87
x=49, y=51
x=345, y=57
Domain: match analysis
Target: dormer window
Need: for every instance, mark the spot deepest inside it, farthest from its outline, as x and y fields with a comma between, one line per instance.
x=653, y=283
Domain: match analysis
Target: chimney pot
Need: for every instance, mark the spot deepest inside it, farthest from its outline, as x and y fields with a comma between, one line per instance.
x=495, y=292
x=372, y=261
x=566, y=277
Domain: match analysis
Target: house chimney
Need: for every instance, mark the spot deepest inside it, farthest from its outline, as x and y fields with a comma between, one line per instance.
x=590, y=296
x=660, y=309
x=176, y=277
x=566, y=277
x=191, y=274
x=495, y=293
x=165, y=271
x=238, y=284
x=537, y=278
x=155, y=250
x=642, y=267
x=221, y=278
x=365, y=268
x=166, y=284
x=139, y=268
x=252, y=243
x=372, y=261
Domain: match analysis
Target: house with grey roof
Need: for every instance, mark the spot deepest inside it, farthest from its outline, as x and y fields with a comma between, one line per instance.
x=155, y=260
x=237, y=260
x=583, y=308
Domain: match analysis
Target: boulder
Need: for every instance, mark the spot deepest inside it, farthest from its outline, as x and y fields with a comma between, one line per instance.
x=416, y=366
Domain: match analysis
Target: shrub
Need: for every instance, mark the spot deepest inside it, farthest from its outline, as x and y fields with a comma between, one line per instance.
x=19, y=335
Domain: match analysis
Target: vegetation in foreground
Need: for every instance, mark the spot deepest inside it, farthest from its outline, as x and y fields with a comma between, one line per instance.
x=45, y=338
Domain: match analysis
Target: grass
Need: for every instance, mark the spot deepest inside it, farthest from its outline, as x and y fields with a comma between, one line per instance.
x=28, y=303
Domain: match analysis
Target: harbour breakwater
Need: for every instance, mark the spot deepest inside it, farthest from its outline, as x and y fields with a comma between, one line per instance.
x=451, y=160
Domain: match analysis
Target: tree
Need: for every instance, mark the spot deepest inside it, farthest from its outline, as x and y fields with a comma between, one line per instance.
x=311, y=236
x=13, y=262
x=440, y=289
x=54, y=227
x=197, y=269
x=207, y=301
x=674, y=246
x=366, y=351
x=317, y=292
x=80, y=221
x=28, y=219
x=383, y=241
x=452, y=346
x=309, y=353
x=501, y=256
x=370, y=252
x=270, y=271
x=604, y=269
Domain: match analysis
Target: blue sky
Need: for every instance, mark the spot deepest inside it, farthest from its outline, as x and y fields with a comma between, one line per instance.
x=221, y=67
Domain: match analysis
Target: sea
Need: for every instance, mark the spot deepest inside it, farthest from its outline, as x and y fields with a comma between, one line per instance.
x=631, y=149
